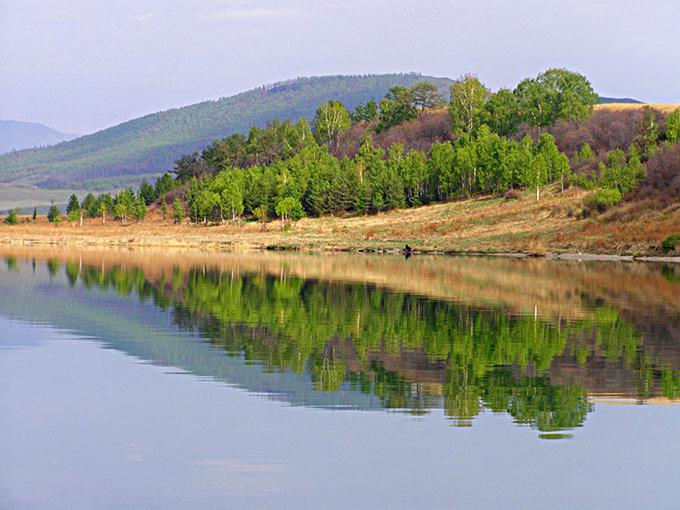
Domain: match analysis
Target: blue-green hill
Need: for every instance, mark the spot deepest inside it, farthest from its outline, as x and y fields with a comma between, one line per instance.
x=145, y=147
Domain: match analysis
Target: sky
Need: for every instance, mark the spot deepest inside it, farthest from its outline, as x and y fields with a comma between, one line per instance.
x=83, y=65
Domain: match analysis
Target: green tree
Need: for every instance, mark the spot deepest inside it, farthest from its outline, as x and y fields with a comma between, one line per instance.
x=426, y=95
x=164, y=184
x=123, y=205
x=53, y=214
x=147, y=192
x=189, y=166
x=164, y=209
x=138, y=211
x=260, y=213
x=178, y=213
x=537, y=174
x=331, y=120
x=89, y=205
x=231, y=196
x=501, y=113
x=11, y=218
x=556, y=94
x=365, y=112
x=289, y=209
x=466, y=109
x=73, y=205
x=673, y=126
x=647, y=133
x=35, y=213
x=396, y=108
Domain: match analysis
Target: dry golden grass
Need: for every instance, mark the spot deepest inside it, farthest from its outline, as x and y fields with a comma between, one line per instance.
x=485, y=224
x=662, y=107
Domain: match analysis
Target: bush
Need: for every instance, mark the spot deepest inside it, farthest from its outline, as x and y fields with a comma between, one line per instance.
x=53, y=215
x=11, y=218
x=583, y=182
x=513, y=194
x=670, y=243
x=603, y=199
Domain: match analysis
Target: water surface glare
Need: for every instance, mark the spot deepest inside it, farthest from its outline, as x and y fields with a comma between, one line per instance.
x=160, y=379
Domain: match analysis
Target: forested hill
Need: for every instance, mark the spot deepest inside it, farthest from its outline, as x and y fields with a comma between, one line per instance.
x=17, y=135
x=144, y=147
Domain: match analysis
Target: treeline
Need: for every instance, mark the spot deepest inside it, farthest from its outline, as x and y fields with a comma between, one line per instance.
x=288, y=170
x=495, y=142
x=317, y=183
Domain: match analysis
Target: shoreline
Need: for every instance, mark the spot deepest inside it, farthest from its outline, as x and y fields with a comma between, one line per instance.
x=204, y=244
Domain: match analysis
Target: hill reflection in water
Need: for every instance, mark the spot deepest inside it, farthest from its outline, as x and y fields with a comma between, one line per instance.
x=536, y=339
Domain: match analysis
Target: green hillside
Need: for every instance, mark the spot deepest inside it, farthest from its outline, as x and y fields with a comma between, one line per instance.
x=146, y=147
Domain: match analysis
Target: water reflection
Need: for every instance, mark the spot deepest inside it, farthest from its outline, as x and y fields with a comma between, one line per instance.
x=466, y=343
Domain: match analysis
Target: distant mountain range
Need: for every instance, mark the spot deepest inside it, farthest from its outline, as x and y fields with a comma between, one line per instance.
x=146, y=147
x=607, y=100
x=17, y=135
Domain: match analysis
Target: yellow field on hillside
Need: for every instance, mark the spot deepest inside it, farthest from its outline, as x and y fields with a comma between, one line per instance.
x=662, y=107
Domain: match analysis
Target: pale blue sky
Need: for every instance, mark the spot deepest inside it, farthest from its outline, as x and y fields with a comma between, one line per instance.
x=81, y=65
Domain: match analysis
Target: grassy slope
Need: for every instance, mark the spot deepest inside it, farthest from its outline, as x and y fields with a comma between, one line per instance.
x=486, y=224
x=126, y=153
x=26, y=197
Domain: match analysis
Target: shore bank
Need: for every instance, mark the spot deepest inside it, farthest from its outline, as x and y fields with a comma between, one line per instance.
x=494, y=226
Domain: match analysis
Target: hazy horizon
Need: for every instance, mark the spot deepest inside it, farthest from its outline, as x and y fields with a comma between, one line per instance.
x=79, y=67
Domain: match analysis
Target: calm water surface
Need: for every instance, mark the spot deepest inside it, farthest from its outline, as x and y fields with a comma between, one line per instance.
x=153, y=379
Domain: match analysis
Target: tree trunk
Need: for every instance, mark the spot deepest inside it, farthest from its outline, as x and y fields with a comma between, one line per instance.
x=538, y=193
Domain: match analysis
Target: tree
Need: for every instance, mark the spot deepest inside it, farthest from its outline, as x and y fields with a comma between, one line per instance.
x=365, y=112
x=53, y=214
x=260, y=213
x=426, y=95
x=331, y=120
x=178, y=213
x=189, y=166
x=12, y=218
x=537, y=173
x=73, y=205
x=164, y=209
x=466, y=109
x=231, y=198
x=501, y=113
x=289, y=208
x=396, y=108
x=164, y=184
x=89, y=205
x=556, y=94
x=647, y=133
x=673, y=126
x=147, y=192
x=138, y=211
x=35, y=213
x=123, y=205
x=74, y=215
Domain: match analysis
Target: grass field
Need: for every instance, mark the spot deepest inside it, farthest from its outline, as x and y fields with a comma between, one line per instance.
x=487, y=225
x=27, y=197
x=665, y=108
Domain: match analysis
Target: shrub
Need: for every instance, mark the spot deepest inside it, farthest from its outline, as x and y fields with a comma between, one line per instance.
x=670, y=243
x=603, y=199
x=583, y=182
x=11, y=218
x=513, y=194
x=53, y=215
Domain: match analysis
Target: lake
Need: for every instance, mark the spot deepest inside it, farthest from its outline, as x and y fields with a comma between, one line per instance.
x=167, y=379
